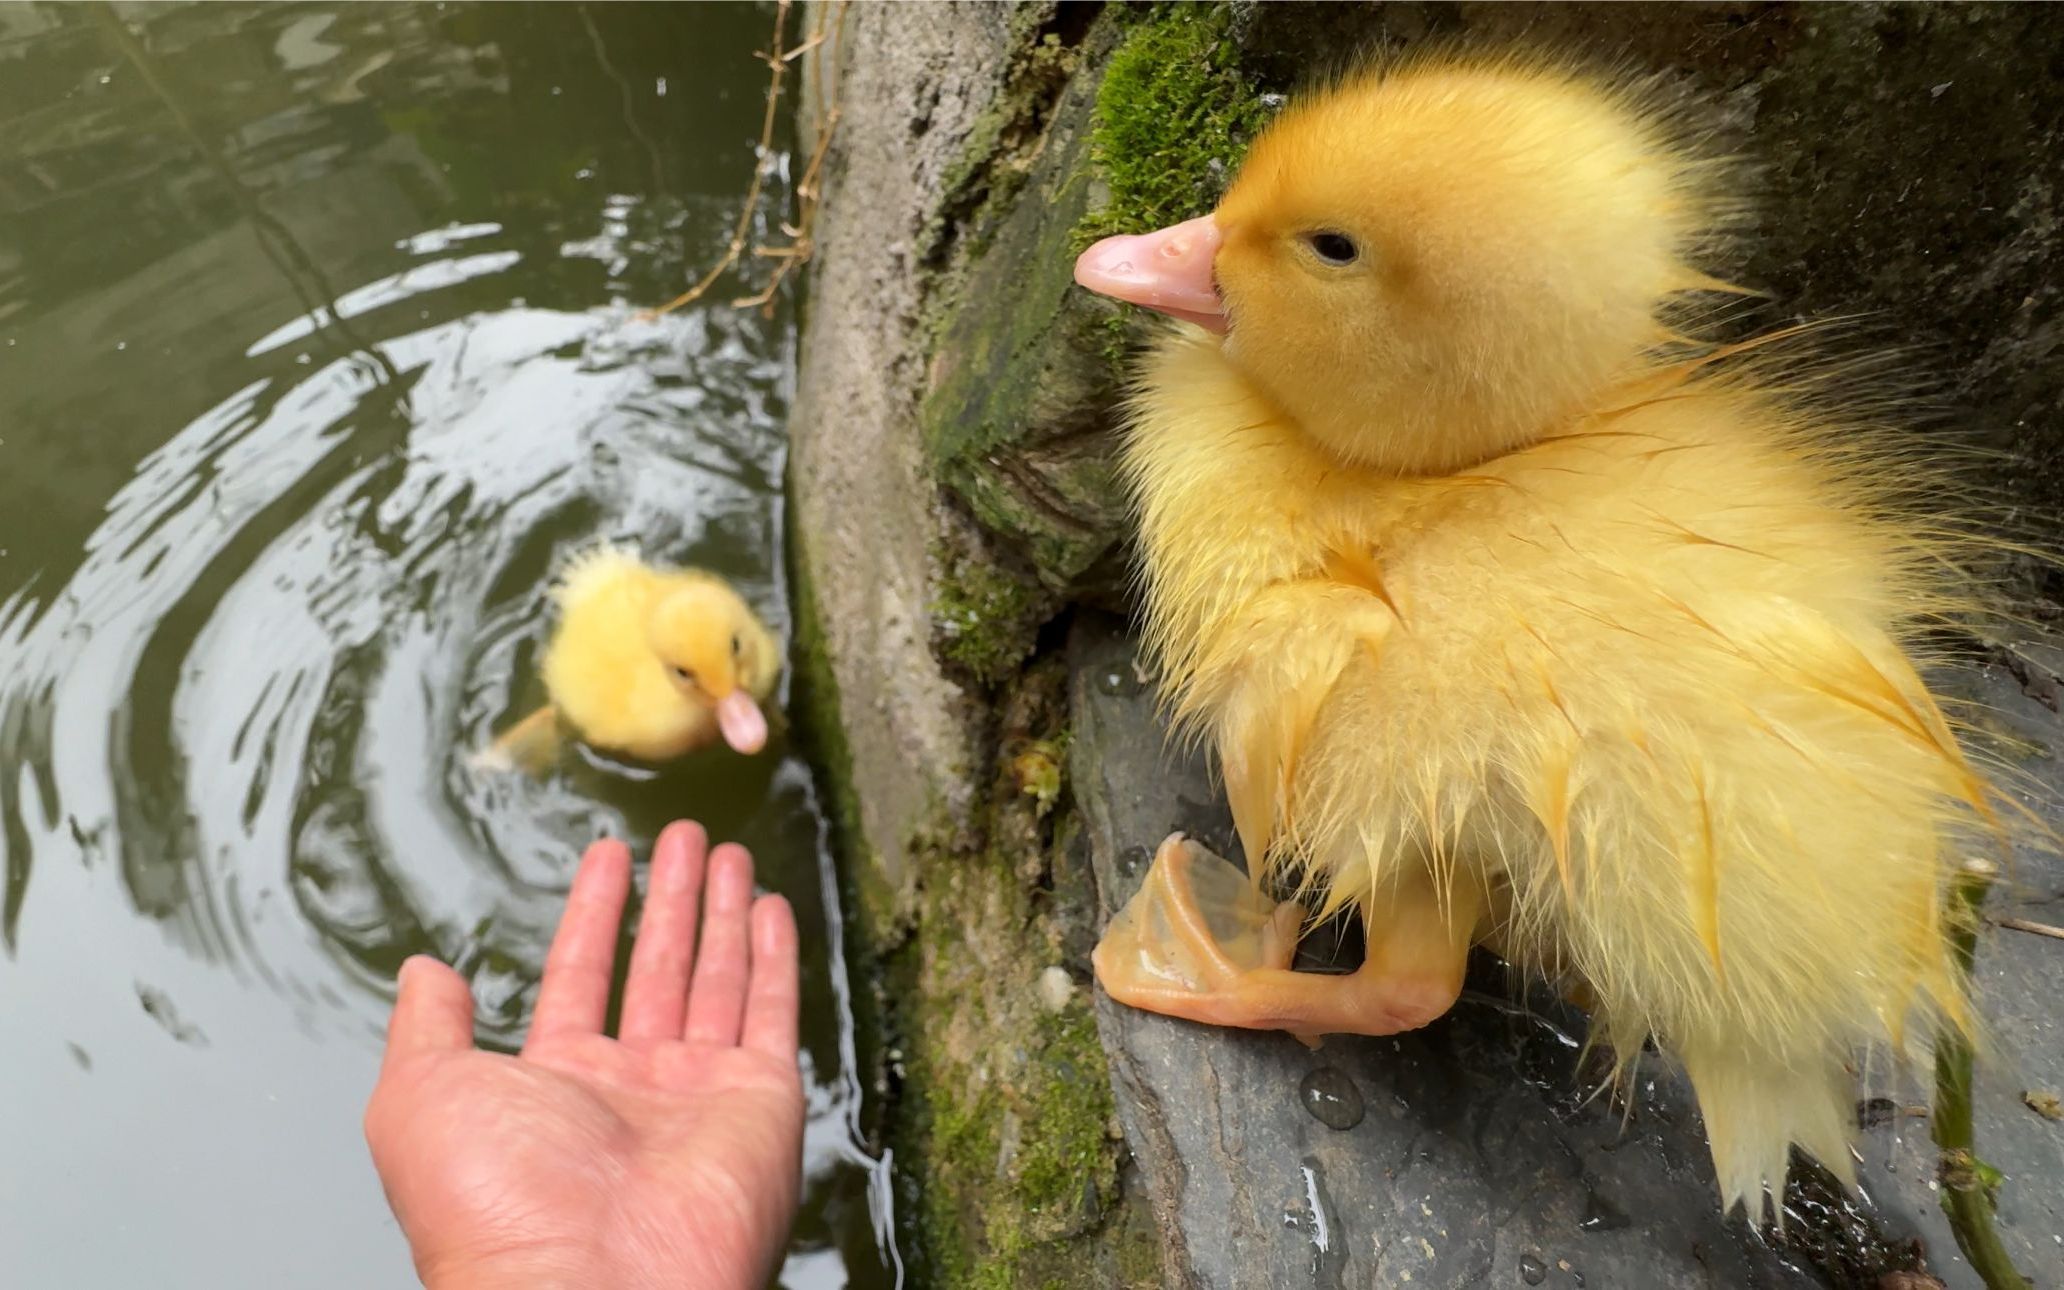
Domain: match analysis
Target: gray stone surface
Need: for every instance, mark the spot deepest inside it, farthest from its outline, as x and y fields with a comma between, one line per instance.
x=1478, y=1160
x=909, y=93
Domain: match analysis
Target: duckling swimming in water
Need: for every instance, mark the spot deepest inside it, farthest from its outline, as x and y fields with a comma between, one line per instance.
x=649, y=662
x=1516, y=617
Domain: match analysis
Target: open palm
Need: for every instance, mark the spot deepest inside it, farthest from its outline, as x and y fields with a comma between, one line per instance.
x=668, y=1156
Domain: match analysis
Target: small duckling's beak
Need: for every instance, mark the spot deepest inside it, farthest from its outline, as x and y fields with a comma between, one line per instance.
x=743, y=724
x=1168, y=271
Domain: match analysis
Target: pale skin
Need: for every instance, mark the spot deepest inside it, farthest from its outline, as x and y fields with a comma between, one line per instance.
x=669, y=1155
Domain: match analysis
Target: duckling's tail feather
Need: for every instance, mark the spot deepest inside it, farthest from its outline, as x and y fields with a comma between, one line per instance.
x=593, y=569
x=1756, y=1103
x=530, y=745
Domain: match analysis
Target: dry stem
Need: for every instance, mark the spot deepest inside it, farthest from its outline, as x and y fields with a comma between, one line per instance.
x=787, y=258
x=2030, y=926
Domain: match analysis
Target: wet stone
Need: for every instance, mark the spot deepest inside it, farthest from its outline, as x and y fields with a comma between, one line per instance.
x=1332, y=1098
x=1483, y=1155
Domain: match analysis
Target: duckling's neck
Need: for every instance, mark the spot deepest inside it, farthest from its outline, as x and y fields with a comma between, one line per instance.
x=1437, y=426
x=1218, y=470
x=1199, y=417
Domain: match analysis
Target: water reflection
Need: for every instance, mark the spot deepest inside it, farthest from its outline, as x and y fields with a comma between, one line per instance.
x=317, y=349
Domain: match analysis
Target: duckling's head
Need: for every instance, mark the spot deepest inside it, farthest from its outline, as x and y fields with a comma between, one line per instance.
x=716, y=652
x=1430, y=267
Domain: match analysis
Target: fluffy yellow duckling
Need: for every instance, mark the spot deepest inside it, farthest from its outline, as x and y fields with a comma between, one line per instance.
x=648, y=662
x=1514, y=617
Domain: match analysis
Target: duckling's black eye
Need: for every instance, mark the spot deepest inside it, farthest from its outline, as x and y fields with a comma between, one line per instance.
x=734, y=647
x=683, y=673
x=1333, y=248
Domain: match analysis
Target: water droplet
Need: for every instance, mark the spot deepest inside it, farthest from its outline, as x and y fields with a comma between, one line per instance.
x=1332, y=1098
x=1532, y=1270
x=1121, y=680
x=121, y=344
x=1601, y=1215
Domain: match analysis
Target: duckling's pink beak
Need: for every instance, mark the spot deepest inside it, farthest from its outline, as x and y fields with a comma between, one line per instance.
x=1168, y=271
x=743, y=724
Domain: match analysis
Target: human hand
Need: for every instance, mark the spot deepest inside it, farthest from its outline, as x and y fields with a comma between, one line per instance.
x=669, y=1156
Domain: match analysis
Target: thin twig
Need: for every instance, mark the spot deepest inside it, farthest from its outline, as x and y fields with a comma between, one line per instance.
x=801, y=246
x=816, y=39
x=2025, y=925
x=737, y=244
x=830, y=25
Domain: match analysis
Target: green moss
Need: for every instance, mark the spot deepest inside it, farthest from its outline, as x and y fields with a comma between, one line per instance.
x=815, y=697
x=984, y=619
x=1006, y=1163
x=1067, y=1141
x=1009, y=1109
x=1174, y=116
x=1038, y=768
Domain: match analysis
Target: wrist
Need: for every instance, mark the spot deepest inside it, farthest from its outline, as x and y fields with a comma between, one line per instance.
x=555, y=1269
x=512, y=1270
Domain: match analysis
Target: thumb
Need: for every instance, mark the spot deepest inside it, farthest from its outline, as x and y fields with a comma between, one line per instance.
x=433, y=1013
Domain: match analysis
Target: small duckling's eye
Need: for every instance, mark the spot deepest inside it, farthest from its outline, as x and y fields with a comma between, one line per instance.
x=1333, y=248
x=682, y=672
x=734, y=646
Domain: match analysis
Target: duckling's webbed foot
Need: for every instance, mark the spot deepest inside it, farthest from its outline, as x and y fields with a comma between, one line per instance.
x=1198, y=941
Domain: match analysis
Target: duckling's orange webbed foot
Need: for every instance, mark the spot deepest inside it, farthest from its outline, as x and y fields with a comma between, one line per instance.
x=1198, y=941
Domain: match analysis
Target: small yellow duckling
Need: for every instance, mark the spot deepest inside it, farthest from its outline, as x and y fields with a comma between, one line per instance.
x=647, y=662
x=1516, y=617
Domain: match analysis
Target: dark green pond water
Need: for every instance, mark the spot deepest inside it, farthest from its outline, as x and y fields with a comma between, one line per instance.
x=318, y=347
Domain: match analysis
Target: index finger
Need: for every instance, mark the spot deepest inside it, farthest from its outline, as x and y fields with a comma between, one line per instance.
x=573, y=998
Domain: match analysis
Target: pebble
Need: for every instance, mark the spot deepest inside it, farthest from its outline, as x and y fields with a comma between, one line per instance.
x=1056, y=988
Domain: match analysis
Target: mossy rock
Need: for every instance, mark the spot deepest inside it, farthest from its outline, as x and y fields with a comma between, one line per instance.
x=1027, y=368
x=1015, y=420
x=1175, y=112
x=1009, y=1160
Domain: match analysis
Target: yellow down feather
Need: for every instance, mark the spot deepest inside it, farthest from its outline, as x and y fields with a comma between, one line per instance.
x=1464, y=566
